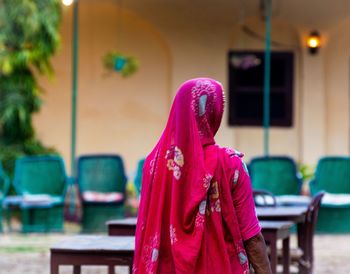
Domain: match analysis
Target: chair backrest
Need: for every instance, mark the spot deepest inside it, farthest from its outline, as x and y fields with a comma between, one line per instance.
x=40, y=175
x=138, y=177
x=332, y=175
x=277, y=174
x=310, y=225
x=263, y=198
x=101, y=173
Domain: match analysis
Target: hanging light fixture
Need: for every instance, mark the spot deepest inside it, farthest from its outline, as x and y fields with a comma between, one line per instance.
x=67, y=2
x=313, y=42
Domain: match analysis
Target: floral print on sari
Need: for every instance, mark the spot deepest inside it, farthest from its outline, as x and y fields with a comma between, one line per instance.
x=151, y=253
x=214, y=198
x=175, y=161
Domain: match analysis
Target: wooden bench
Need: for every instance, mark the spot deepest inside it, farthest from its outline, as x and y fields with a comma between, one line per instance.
x=272, y=231
x=93, y=250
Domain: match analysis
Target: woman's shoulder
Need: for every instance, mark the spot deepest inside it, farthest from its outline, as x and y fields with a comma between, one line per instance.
x=231, y=153
x=230, y=157
x=231, y=162
x=233, y=159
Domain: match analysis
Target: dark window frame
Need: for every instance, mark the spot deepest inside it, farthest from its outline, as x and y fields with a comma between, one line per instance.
x=242, y=95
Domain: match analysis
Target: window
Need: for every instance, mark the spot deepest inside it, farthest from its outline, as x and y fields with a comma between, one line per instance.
x=246, y=88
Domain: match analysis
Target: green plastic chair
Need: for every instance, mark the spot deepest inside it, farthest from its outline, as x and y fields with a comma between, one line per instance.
x=37, y=176
x=4, y=188
x=277, y=174
x=333, y=176
x=101, y=173
x=138, y=177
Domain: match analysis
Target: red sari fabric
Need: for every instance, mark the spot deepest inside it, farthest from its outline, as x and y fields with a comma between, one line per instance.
x=196, y=203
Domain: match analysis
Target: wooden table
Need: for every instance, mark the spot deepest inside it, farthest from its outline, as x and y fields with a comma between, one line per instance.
x=293, y=200
x=295, y=214
x=122, y=227
x=274, y=231
x=93, y=250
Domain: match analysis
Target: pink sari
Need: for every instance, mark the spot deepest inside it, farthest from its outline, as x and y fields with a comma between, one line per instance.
x=187, y=220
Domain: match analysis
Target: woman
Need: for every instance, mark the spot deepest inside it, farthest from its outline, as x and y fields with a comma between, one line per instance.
x=196, y=212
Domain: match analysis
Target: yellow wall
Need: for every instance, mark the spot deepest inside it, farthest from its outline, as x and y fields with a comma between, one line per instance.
x=115, y=115
x=127, y=116
x=337, y=86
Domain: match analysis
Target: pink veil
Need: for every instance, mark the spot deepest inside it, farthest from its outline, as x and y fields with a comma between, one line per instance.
x=176, y=179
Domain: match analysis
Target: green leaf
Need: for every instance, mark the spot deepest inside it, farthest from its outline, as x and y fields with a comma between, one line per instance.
x=6, y=67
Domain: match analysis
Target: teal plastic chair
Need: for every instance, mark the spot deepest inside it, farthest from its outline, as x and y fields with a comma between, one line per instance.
x=138, y=177
x=277, y=174
x=38, y=176
x=4, y=188
x=101, y=173
x=333, y=176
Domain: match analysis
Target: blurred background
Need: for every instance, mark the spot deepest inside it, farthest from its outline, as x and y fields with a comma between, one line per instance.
x=97, y=78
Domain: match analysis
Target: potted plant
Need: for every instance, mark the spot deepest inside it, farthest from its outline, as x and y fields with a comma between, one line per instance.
x=123, y=64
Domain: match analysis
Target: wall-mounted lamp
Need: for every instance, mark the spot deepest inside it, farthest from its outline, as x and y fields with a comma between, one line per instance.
x=313, y=42
x=67, y=2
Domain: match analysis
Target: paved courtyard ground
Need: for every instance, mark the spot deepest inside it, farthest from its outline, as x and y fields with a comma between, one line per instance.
x=29, y=254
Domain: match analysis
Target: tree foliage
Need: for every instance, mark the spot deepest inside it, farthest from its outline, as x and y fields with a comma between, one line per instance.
x=29, y=36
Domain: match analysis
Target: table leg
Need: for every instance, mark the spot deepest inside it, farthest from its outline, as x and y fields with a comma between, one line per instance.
x=54, y=266
x=130, y=268
x=76, y=269
x=111, y=269
x=273, y=255
x=302, y=244
x=286, y=256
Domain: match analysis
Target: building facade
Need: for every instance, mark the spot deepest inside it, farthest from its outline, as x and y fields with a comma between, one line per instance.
x=178, y=40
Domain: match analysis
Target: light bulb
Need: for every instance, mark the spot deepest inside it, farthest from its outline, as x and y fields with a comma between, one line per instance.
x=67, y=2
x=313, y=42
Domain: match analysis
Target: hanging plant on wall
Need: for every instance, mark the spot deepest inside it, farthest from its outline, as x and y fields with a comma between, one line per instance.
x=116, y=61
x=125, y=65
x=28, y=38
